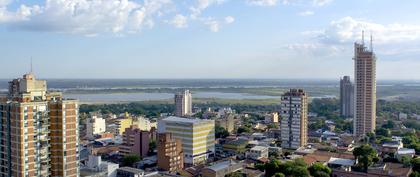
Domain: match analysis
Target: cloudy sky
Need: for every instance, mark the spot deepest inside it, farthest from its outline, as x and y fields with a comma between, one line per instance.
x=206, y=38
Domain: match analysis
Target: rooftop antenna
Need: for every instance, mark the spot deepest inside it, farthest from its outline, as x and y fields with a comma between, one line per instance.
x=31, y=66
x=371, y=42
x=363, y=37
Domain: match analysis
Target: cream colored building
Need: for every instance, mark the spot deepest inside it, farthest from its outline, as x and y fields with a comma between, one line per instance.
x=364, y=90
x=197, y=136
x=183, y=103
x=94, y=126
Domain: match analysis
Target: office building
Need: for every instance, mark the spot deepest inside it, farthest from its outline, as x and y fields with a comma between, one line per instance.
x=365, y=90
x=170, y=155
x=95, y=126
x=197, y=136
x=39, y=131
x=346, y=97
x=294, y=122
x=183, y=104
x=135, y=141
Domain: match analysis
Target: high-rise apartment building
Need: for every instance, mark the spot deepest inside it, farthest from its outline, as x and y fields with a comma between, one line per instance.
x=294, y=122
x=346, y=97
x=169, y=153
x=135, y=141
x=365, y=90
x=197, y=136
x=39, y=131
x=183, y=103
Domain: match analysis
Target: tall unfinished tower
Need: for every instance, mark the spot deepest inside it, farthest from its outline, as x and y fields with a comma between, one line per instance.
x=364, y=89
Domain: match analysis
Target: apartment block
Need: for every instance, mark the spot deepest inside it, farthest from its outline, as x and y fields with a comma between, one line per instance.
x=39, y=131
x=346, y=97
x=135, y=141
x=183, y=104
x=170, y=154
x=365, y=90
x=294, y=122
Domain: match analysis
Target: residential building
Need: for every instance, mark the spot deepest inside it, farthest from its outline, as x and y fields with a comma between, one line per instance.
x=272, y=118
x=236, y=146
x=386, y=170
x=294, y=122
x=258, y=152
x=129, y=172
x=227, y=122
x=122, y=124
x=170, y=154
x=197, y=136
x=364, y=90
x=221, y=169
x=96, y=167
x=405, y=152
x=95, y=126
x=39, y=131
x=135, y=141
x=346, y=97
x=183, y=104
x=142, y=123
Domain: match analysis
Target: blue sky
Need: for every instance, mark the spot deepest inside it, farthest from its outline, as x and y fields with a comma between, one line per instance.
x=206, y=38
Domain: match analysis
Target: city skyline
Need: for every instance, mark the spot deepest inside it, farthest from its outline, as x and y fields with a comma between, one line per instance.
x=189, y=38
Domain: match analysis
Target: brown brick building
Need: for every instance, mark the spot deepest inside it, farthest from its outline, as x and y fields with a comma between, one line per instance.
x=38, y=132
x=170, y=155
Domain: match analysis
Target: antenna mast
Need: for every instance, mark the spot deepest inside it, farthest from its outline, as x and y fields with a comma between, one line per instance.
x=363, y=37
x=31, y=66
x=371, y=42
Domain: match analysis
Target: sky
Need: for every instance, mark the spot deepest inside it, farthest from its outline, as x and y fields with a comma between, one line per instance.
x=311, y=39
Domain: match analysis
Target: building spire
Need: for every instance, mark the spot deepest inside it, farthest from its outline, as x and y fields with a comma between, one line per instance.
x=31, y=71
x=371, y=42
x=363, y=37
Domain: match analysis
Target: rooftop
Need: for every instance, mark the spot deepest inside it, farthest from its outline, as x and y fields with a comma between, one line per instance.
x=185, y=120
x=222, y=165
x=406, y=151
x=341, y=161
x=259, y=148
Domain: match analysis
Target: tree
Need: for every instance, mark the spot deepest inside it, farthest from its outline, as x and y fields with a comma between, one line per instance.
x=220, y=132
x=129, y=160
x=279, y=175
x=152, y=146
x=415, y=174
x=234, y=174
x=300, y=171
x=319, y=170
x=389, y=124
x=415, y=163
x=365, y=155
x=244, y=129
x=406, y=161
x=383, y=132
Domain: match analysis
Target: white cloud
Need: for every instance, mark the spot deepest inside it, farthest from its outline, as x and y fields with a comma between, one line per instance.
x=229, y=19
x=348, y=30
x=179, y=21
x=321, y=2
x=87, y=17
x=202, y=5
x=213, y=25
x=262, y=2
x=306, y=13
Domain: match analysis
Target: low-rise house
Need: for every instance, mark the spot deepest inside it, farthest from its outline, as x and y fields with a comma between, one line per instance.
x=341, y=163
x=96, y=167
x=405, y=152
x=257, y=153
x=386, y=170
x=236, y=146
x=220, y=169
